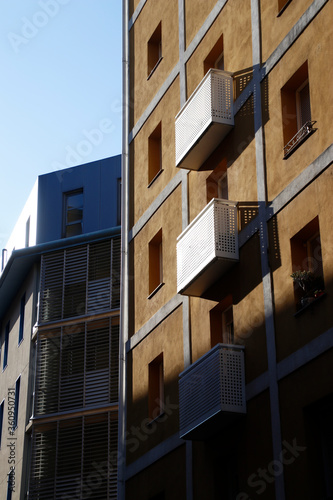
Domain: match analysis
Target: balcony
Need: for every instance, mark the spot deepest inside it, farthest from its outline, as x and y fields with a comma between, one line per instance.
x=205, y=119
x=207, y=248
x=212, y=392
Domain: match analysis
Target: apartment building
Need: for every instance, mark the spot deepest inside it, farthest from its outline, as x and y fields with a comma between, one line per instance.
x=59, y=311
x=227, y=318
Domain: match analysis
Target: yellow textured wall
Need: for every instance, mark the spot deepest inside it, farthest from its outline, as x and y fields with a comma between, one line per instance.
x=156, y=479
x=143, y=90
x=314, y=44
x=234, y=22
x=296, y=393
x=196, y=11
x=295, y=332
x=161, y=339
x=144, y=195
x=275, y=28
x=168, y=217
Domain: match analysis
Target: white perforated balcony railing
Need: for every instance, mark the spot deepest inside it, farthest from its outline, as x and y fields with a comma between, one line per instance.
x=205, y=119
x=207, y=248
x=212, y=392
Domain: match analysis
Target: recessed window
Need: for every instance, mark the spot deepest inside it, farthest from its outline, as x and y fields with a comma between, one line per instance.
x=217, y=183
x=155, y=263
x=3, y=259
x=156, y=387
x=155, y=154
x=2, y=407
x=223, y=186
x=21, y=327
x=5, y=352
x=307, y=264
x=215, y=58
x=27, y=232
x=155, y=49
x=73, y=213
x=296, y=110
x=17, y=399
x=222, y=322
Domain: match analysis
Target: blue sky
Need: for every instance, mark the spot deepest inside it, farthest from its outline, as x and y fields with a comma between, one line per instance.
x=60, y=92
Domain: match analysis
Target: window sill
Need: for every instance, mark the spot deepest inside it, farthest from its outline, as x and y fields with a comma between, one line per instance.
x=155, y=291
x=284, y=8
x=18, y=345
x=154, y=178
x=156, y=419
x=310, y=304
x=154, y=68
x=302, y=135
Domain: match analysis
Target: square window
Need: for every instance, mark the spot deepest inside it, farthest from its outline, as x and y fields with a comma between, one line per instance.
x=73, y=213
x=154, y=154
x=296, y=110
x=156, y=387
x=155, y=49
x=155, y=262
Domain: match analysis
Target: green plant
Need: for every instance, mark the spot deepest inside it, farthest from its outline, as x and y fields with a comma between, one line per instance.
x=303, y=279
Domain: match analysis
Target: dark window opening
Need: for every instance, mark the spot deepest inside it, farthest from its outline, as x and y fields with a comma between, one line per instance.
x=307, y=264
x=155, y=262
x=154, y=153
x=155, y=49
x=21, y=327
x=73, y=213
x=156, y=387
x=215, y=58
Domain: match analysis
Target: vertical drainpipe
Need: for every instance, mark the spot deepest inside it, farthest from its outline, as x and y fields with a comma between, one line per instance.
x=184, y=185
x=263, y=234
x=124, y=309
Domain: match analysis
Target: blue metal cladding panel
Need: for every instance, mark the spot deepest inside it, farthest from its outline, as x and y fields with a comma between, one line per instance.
x=99, y=182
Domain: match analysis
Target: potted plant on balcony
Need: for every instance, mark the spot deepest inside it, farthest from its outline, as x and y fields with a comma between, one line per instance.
x=311, y=286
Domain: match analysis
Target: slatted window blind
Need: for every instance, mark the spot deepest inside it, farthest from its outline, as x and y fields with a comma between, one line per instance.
x=75, y=458
x=80, y=280
x=77, y=366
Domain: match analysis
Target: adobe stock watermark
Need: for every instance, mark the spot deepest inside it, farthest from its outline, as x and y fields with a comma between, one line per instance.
x=262, y=477
x=100, y=472
x=91, y=139
x=31, y=27
x=11, y=445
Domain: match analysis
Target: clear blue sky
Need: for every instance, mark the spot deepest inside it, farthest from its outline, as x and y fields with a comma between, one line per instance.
x=60, y=83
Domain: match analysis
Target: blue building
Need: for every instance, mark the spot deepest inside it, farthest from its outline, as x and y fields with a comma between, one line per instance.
x=59, y=314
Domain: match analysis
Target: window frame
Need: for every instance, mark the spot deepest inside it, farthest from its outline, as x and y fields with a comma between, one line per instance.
x=66, y=225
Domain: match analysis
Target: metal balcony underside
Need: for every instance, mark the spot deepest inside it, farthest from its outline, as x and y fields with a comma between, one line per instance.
x=207, y=248
x=205, y=119
x=212, y=392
